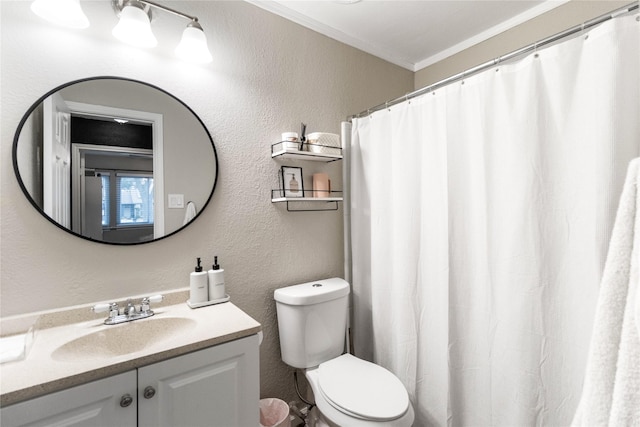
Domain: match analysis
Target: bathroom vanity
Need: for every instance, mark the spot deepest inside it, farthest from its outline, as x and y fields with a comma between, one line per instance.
x=178, y=367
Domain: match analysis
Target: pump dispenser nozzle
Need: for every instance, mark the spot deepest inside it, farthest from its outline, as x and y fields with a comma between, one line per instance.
x=198, y=267
x=216, y=281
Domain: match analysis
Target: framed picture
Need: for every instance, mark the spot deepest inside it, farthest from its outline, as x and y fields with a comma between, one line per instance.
x=292, y=181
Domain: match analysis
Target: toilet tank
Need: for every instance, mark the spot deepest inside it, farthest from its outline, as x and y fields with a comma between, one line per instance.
x=312, y=321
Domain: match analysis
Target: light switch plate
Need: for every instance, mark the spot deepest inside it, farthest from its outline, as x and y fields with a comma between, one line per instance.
x=176, y=201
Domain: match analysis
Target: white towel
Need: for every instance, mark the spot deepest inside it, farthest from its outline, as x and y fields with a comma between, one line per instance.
x=13, y=348
x=611, y=391
x=190, y=213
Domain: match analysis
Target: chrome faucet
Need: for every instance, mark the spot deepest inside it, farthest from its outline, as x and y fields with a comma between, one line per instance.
x=128, y=313
x=130, y=309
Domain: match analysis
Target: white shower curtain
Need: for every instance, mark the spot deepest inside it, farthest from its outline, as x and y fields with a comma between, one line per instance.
x=480, y=221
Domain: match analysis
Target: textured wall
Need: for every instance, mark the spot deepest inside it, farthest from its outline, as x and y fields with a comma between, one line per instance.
x=268, y=75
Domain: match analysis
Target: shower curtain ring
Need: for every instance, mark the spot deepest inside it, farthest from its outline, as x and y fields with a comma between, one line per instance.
x=586, y=37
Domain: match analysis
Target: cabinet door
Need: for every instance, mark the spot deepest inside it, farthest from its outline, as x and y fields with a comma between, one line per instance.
x=217, y=386
x=97, y=403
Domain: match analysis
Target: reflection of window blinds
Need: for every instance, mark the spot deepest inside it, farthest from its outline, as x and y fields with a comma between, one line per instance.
x=134, y=199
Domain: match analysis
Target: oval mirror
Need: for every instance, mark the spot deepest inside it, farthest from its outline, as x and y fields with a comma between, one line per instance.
x=115, y=160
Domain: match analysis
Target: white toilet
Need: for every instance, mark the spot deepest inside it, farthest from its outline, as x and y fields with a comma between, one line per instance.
x=349, y=392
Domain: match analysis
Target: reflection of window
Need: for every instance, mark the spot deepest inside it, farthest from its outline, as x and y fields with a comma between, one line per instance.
x=135, y=198
x=127, y=199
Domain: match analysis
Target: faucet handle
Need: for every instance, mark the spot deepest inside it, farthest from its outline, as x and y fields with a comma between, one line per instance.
x=111, y=307
x=155, y=298
x=99, y=308
x=146, y=302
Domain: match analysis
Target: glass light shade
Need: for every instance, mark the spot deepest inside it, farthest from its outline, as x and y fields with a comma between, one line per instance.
x=193, y=45
x=67, y=13
x=134, y=27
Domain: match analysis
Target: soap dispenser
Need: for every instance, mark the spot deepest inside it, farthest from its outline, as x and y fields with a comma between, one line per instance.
x=198, y=289
x=216, y=281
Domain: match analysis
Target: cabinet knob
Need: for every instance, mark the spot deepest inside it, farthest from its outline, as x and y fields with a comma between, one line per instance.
x=126, y=400
x=149, y=392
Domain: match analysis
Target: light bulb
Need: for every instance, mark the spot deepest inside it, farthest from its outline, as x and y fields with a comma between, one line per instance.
x=193, y=45
x=67, y=13
x=134, y=27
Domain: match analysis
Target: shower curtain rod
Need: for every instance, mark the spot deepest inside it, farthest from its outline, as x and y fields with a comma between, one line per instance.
x=484, y=66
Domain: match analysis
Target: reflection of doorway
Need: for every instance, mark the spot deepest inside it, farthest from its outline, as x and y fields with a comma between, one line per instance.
x=155, y=156
x=56, y=152
x=114, y=189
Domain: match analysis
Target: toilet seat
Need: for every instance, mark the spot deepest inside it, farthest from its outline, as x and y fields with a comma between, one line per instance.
x=362, y=389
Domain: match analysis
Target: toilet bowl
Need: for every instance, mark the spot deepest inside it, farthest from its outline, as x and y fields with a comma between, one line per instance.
x=353, y=392
x=348, y=391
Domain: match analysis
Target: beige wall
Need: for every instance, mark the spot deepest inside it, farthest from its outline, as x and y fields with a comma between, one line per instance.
x=553, y=22
x=268, y=75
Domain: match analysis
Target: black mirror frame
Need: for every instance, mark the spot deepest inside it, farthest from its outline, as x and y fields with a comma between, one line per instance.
x=14, y=154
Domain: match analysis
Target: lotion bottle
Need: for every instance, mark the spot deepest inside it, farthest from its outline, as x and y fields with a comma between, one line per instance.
x=216, y=281
x=198, y=289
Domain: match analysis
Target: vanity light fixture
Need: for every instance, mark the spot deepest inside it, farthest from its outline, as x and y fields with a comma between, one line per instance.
x=67, y=13
x=193, y=45
x=134, y=28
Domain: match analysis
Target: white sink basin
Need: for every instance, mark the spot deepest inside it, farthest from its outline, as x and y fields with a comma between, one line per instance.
x=122, y=339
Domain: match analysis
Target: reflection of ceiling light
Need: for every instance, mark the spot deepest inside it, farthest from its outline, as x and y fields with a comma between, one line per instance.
x=67, y=13
x=347, y=1
x=134, y=28
x=121, y=121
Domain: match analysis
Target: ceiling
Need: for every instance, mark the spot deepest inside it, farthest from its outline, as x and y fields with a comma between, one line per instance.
x=410, y=33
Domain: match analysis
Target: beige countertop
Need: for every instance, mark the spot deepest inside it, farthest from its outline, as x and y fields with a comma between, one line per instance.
x=44, y=370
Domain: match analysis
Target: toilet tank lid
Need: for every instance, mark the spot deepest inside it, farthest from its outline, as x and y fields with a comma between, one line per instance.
x=312, y=292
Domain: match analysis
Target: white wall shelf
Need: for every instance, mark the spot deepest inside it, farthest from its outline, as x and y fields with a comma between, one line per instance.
x=287, y=150
x=305, y=199
x=308, y=202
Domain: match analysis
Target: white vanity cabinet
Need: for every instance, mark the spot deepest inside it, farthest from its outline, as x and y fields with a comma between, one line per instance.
x=216, y=386
x=106, y=402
